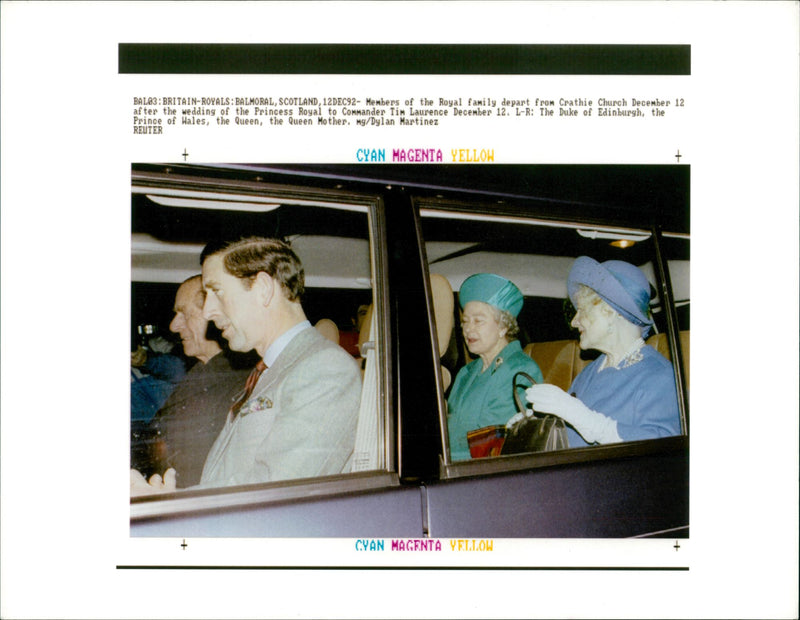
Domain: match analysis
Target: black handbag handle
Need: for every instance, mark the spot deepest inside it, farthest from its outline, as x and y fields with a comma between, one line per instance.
x=520, y=407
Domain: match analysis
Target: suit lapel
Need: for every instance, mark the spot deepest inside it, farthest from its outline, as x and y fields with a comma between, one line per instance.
x=300, y=344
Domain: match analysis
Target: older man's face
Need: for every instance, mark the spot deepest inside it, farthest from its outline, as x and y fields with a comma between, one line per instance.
x=188, y=321
x=233, y=307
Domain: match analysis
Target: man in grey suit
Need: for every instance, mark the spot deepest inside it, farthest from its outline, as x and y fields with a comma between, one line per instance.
x=193, y=415
x=300, y=419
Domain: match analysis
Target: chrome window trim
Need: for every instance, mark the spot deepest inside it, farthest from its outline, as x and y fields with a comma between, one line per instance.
x=170, y=183
x=518, y=462
x=681, y=531
x=244, y=496
x=461, y=211
x=385, y=351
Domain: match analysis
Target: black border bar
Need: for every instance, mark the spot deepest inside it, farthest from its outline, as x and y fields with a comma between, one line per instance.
x=390, y=568
x=403, y=59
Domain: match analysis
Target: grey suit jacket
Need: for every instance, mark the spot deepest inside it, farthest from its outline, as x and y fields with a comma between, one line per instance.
x=299, y=422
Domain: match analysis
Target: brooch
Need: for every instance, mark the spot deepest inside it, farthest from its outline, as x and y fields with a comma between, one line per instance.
x=257, y=404
x=497, y=363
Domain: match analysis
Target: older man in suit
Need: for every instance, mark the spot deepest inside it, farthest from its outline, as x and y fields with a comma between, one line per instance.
x=193, y=416
x=298, y=417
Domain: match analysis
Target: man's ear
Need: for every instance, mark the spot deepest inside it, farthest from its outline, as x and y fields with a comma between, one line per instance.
x=265, y=287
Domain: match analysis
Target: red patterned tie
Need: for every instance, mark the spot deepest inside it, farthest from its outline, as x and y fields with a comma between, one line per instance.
x=248, y=387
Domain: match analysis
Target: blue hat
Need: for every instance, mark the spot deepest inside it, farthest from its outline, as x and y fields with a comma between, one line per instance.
x=493, y=290
x=621, y=285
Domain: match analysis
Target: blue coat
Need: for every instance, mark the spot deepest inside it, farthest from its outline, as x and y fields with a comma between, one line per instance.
x=642, y=398
x=482, y=398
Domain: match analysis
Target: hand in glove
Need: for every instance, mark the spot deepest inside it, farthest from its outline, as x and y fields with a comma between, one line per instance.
x=517, y=417
x=141, y=486
x=548, y=399
x=594, y=427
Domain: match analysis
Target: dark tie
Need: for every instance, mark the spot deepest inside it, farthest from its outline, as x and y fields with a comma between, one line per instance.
x=248, y=387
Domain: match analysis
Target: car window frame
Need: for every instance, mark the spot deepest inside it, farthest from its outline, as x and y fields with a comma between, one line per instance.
x=198, y=501
x=501, y=211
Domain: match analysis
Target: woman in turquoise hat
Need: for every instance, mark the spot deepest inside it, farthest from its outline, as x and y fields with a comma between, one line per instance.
x=481, y=394
x=629, y=392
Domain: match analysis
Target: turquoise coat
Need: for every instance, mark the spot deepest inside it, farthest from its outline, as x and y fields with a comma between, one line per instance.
x=482, y=398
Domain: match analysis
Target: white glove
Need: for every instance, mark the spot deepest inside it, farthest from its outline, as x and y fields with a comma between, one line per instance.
x=140, y=486
x=594, y=427
x=519, y=416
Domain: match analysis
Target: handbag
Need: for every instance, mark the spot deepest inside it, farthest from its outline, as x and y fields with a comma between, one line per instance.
x=486, y=441
x=541, y=432
x=536, y=433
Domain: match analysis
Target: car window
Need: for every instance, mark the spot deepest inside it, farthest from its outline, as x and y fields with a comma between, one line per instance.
x=179, y=403
x=536, y=257
x=676, y=252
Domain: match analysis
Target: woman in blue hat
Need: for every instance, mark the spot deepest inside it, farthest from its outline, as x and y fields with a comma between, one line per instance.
x=481, y=394
x=629, y=392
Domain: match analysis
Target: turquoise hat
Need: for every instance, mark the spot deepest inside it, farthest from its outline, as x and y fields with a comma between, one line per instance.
x=493, y=290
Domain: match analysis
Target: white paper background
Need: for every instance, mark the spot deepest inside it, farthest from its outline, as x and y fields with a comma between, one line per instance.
x=66, y=155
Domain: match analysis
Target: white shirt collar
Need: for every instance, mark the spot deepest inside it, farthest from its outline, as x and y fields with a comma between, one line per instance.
x=277, y=347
